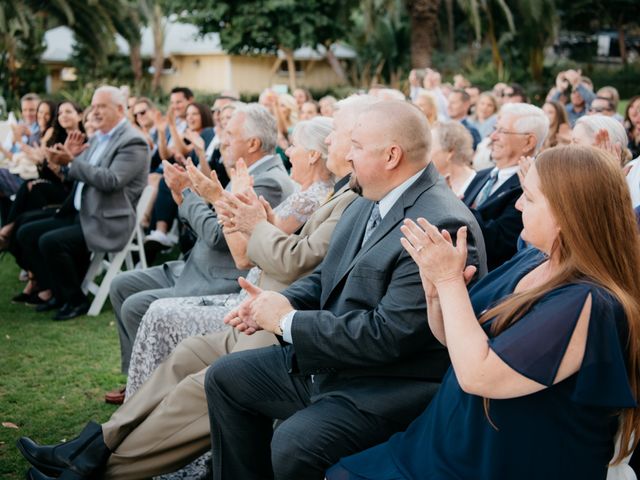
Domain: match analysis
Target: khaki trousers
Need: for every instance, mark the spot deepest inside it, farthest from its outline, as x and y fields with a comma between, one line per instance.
x=165, y=425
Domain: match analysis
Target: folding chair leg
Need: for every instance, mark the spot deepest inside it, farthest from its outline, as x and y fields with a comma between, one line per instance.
x=103, y=291
x=93, y=270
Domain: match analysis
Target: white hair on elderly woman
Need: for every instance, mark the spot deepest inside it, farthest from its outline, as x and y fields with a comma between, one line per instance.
x=592, y=124
x=311, y=135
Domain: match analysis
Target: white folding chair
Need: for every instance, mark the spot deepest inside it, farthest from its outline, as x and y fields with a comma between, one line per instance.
x=111, y=263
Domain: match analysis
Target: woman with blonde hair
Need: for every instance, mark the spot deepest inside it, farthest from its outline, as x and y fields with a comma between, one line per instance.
x=486, y=114
x=286, y=109
x=427, y=103
x=545, y=350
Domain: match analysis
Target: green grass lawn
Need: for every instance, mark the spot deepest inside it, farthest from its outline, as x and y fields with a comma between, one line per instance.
x=53, y=375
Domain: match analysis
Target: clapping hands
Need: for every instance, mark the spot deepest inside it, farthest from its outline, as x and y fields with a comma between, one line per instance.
x=261, y=311
x=209, y=188
x=436, y=256
x=603, y=141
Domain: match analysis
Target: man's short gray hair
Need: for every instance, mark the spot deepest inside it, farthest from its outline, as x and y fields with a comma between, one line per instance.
x=528, y=119
x=30, y=97
x=259, y=123
x=116, y=95
x=311, y=134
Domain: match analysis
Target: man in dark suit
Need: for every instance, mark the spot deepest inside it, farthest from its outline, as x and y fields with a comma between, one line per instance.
x=100, y=214
x=520, y=132
x=359, y=361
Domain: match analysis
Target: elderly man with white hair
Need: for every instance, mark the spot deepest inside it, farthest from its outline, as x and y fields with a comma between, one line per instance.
x=520, y=132
x=110, y=172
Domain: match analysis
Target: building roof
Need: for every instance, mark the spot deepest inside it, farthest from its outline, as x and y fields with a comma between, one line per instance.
x=180, y=39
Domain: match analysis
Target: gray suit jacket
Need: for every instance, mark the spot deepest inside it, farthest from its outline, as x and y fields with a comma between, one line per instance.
x=112, y=188
x=210, y=268
x=361, y=325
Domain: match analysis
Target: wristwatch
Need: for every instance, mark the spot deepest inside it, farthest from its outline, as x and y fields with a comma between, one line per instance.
x=278, y=329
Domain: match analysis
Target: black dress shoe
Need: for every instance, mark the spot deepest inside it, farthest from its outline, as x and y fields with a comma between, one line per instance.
x=51, y=304
x=22, y=297
x=70, y=310
x=35, y=474
x=78, y=458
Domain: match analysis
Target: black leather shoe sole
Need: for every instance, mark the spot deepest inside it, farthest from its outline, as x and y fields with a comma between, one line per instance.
x=24, y=445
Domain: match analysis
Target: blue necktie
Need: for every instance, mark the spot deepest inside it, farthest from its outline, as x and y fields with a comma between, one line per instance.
x=372, y=223
x=485, y=193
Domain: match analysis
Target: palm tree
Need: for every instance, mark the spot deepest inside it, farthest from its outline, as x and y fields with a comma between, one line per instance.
x=94, y=22
x=424, y=22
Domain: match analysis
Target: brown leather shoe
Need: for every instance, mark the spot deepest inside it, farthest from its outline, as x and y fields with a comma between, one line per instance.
x=115, y=397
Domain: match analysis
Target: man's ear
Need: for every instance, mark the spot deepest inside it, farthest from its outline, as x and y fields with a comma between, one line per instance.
x=254, y=145
x=394, y=155
x=530, y=146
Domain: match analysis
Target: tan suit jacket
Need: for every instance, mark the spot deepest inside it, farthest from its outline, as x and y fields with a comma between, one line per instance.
x=284, y=258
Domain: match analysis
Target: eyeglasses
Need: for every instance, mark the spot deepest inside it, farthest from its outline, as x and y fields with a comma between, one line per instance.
x=502, y=131
x=141, y=112
x=599, y=109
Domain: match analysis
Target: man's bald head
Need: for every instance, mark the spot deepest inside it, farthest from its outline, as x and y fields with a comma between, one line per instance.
x=389, y=144
x=403, y=124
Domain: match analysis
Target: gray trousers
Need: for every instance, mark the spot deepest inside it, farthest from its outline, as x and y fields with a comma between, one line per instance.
x=247, y=390
x=131, y=293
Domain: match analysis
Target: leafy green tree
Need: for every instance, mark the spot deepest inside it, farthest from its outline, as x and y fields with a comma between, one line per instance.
x=265, y=26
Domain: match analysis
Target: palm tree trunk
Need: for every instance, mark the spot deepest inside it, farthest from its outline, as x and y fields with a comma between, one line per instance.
x=135, y=56
x=424, y=21
x=451, y=41
x=495, y=51
x=158, y=46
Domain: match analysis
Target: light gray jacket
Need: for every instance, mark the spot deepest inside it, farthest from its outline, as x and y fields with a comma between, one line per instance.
x=112, y=188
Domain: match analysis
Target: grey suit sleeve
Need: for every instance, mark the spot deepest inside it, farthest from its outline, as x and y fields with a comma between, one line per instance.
x=204, y=221
x=129, y=160
x=395, y=328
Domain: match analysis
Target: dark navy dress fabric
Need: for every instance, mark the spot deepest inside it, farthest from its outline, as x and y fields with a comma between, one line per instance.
x=563, y=432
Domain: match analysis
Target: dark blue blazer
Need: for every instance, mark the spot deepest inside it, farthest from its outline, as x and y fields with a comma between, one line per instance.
x=498, y=218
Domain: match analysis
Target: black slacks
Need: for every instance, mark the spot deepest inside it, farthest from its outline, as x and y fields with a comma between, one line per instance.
x=247, y=390
x=55, y=250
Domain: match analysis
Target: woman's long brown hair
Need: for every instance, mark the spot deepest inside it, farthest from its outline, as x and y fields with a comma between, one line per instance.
x=598, y=242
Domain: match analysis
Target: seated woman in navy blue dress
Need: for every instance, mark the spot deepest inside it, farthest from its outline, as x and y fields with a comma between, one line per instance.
x=540, y=384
